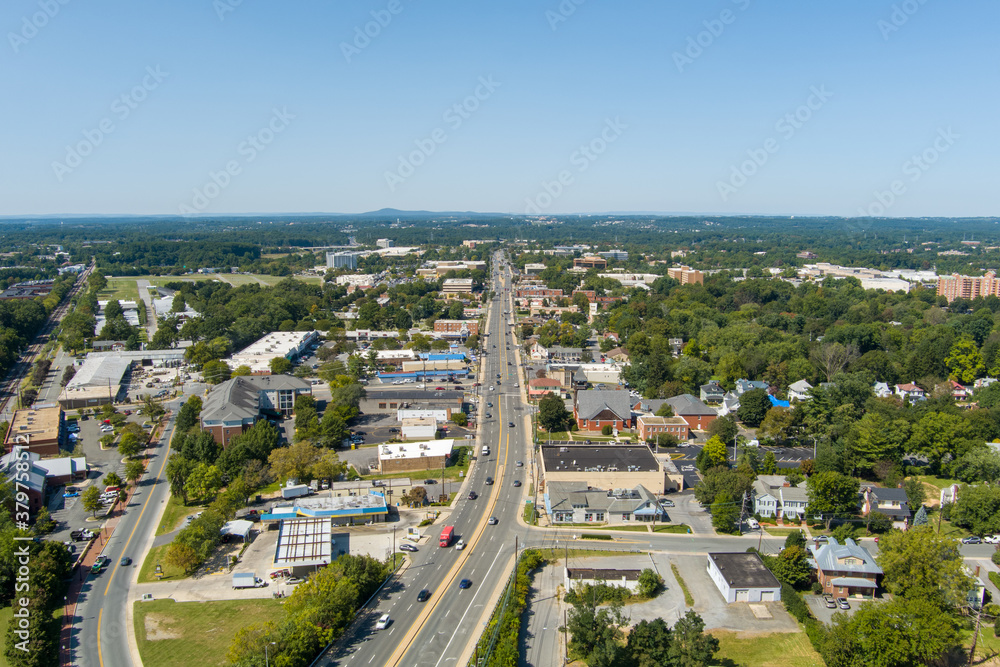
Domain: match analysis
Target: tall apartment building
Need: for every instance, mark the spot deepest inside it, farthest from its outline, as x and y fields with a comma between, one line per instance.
x=685, y=275
x=968, y=287
x=342, y=260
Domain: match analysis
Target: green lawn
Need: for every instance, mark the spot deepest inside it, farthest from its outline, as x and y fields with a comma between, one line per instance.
x=937, y=482
x=660, y=528
x=121, y=288
x=174, y=514
x=777, y=649
x=158, y=556
x=6, y=613
x=172, y=634
x=781, y=532
x=688, y=598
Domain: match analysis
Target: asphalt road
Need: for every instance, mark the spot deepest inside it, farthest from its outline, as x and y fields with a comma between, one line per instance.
x=100, y=634
x=436, y=632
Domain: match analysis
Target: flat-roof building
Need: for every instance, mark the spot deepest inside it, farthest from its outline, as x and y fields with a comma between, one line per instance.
x=743, y=577
x=340, y=510
x=36, y=430
x=411, y=456
x=418, y=428
x=304, y=543
x=453, y=286
x=604, y=467
x=257, y=356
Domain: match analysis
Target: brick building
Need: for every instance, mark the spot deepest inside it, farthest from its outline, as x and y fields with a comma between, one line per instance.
x=685, y=275
x=650, y=426
x=458, y=327
x=594, y=409
x=37, y=430
x=235, y=405
x=590, y=262
x=413, y=456
x=968, y=287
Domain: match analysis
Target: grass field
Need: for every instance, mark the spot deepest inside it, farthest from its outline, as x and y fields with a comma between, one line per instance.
x=174, y=513
x=121, y=289
x=781, y=532
x=158, y=556
x=172, y=634
x=6, y=613
x=777, y=649
x=688, y=598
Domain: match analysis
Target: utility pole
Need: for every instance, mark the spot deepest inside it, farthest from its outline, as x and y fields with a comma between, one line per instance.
x=743, y=509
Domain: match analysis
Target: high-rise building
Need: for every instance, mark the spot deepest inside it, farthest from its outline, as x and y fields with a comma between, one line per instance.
x=968, y=287
x=342, y=260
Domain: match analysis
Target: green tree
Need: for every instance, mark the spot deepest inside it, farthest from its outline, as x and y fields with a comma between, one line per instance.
x=650, y=583
x=460, y=418
x=187, y=416
x=112, y=479
x=690, y=645
x=216, y=372
x=920, y=518
x=981, y=464
x=280, y=366
x=295, y=461
x=183, y=557
x=735, y=483
x=921, y=564
x=241, y=370
x=939, y=434
x=832, y=495
x=725, y=513
x=898, y=633
x=178, y=471
x=777, y=423
x=791, y=566
x=203, y=482
x=754, y=405
x=91, y=499
x=915, y=492
x=134, y=471
x=649, y=644
x=964, y=361
x=977, y=509
x=665, y=410
x=712, y=455
x=723, y=428
x=128, y=445
x=770, y=465
x=552, y=413
x=874, y=438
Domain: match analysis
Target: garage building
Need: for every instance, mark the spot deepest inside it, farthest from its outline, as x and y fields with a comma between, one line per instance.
x=743, y=577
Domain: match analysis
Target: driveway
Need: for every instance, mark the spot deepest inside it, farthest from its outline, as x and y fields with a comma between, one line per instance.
x=688, y=510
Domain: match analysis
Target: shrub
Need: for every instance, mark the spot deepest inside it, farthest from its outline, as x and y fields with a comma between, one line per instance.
x=817, y=587
x=607, y=429
x=594, y=536
x=816, y=632
x=794, y=603
x=995, y=578
x=996, y=558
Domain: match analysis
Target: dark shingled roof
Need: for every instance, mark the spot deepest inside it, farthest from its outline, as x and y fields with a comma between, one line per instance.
x=744, y=570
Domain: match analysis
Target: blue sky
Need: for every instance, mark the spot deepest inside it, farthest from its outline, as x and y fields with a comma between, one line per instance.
x=709, y=106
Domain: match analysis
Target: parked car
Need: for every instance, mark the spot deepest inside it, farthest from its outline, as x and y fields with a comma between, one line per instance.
x=843, y=604
x=71, y=494
x=830, y=603
x=992, y=539
x=383, y=622
x=972, y=540
x=821, y=538
x=407, y=547
x=423, y=595
x=294, y=580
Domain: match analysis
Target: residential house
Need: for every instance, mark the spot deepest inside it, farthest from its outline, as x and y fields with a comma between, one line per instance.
x=845, y=569
x=572, y=355
x=730, y=404
x=881, y=390
x=617, y=354
x=594, y=409
x=949, y=494
x=576, y=502
x=889, y=501
x=538, y=387
x=774, y=496
x=959, y=392
x=676, y=345
x=983, y=382
x=799, y=391
x=697, y=415
x=648, y=427
x=712, y=392
x=538, y=352
x=743, y=386
x=911, y=392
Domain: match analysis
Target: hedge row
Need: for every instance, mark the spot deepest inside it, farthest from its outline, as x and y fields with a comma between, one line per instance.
x=798, y=608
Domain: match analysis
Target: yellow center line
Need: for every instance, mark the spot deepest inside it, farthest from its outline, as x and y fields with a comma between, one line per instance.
x=138, y=521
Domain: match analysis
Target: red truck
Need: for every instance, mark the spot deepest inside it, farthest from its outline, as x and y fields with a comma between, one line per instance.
x=446, y=535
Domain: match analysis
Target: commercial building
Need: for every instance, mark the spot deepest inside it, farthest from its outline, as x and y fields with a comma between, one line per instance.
x=304, y=545
x=412, y=456
x=685, y=275
x=29, y=289
x=36, y=430
x=438, y=415
x=418, y=428
x=99, y=378
x=697, y=415
x=456, y=328
x=619, y=255
x=649, y=426
x=357, y=280
x=388, y=402
x=533, y=269
x=258, y=355
x=340, y=510
x=590, y=262
x=845, y=569
x=743, y=577
x=578, y=577
x=538, y=387
x=577, y=502
x=537, y=292
x=385, y=243
x=607, y=467
x=456, y=286
x=342, y=260
x=594, y=409
x=968, y=287
x=235, y=405
x=30, y=482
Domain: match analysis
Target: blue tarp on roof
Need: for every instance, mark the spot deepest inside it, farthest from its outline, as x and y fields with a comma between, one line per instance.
x=778, y=403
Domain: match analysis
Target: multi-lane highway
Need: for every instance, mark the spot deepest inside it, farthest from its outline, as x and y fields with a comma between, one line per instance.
x=439, y=630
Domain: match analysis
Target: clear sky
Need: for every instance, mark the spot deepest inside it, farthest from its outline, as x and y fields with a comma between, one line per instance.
x=707, y=106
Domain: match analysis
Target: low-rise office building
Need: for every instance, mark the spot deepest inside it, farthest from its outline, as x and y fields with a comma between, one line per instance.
x=390, y=401
x=606, y=467
x=235, y=405
x=412, y=456
x=39, y=431
x=577, y=502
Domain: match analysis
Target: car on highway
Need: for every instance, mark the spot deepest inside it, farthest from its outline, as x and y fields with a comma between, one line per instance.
x=842, y=603
x=472, y=495
x=125, y=561
x=489, y=404
x=438, y=388
x=423, y=595
x=519, y=464
x=460, y=545
x=517, y=482
x=465, y=583
x=408, y=547
x=383, y=622
x=491, y=388
x=489, y=415
x=489, y=481
x=972, y=540
x=493, y=521
x=510, y=424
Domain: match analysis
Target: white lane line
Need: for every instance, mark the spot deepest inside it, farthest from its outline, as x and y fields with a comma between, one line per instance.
x=467, y=609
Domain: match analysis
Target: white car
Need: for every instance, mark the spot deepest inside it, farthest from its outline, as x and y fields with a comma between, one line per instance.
x=992, y=539
x=460, y=545
x=383, y=622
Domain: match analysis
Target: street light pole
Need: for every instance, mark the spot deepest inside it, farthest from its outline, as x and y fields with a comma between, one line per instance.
x=266, y=661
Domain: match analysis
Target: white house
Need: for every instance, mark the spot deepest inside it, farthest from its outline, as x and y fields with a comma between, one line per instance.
x=742, y=577
x=799, y=391
x=881, y=390
x=774, y=496
x=911, y=392
x=538, y=352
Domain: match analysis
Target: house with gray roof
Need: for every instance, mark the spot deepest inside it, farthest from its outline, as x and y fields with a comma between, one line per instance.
x=712, y=392
x=31, y=481
x=892, y=501
x=774, y=496
x=799, y=391
x=697, y=415
x=594, y=409
x=743, y=386
x=235, y=405
x=845, y=569
x=576, y=502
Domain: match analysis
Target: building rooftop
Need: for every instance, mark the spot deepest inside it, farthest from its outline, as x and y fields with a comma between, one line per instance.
x=587, y=458
x=849, y=557
x=415, y=396
x=239, y=398
x=602, y=574
x=36, y=424
x=688, y=404
x=413, y=450
x=304, y=542
x=744, y=570
x=591, y=402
